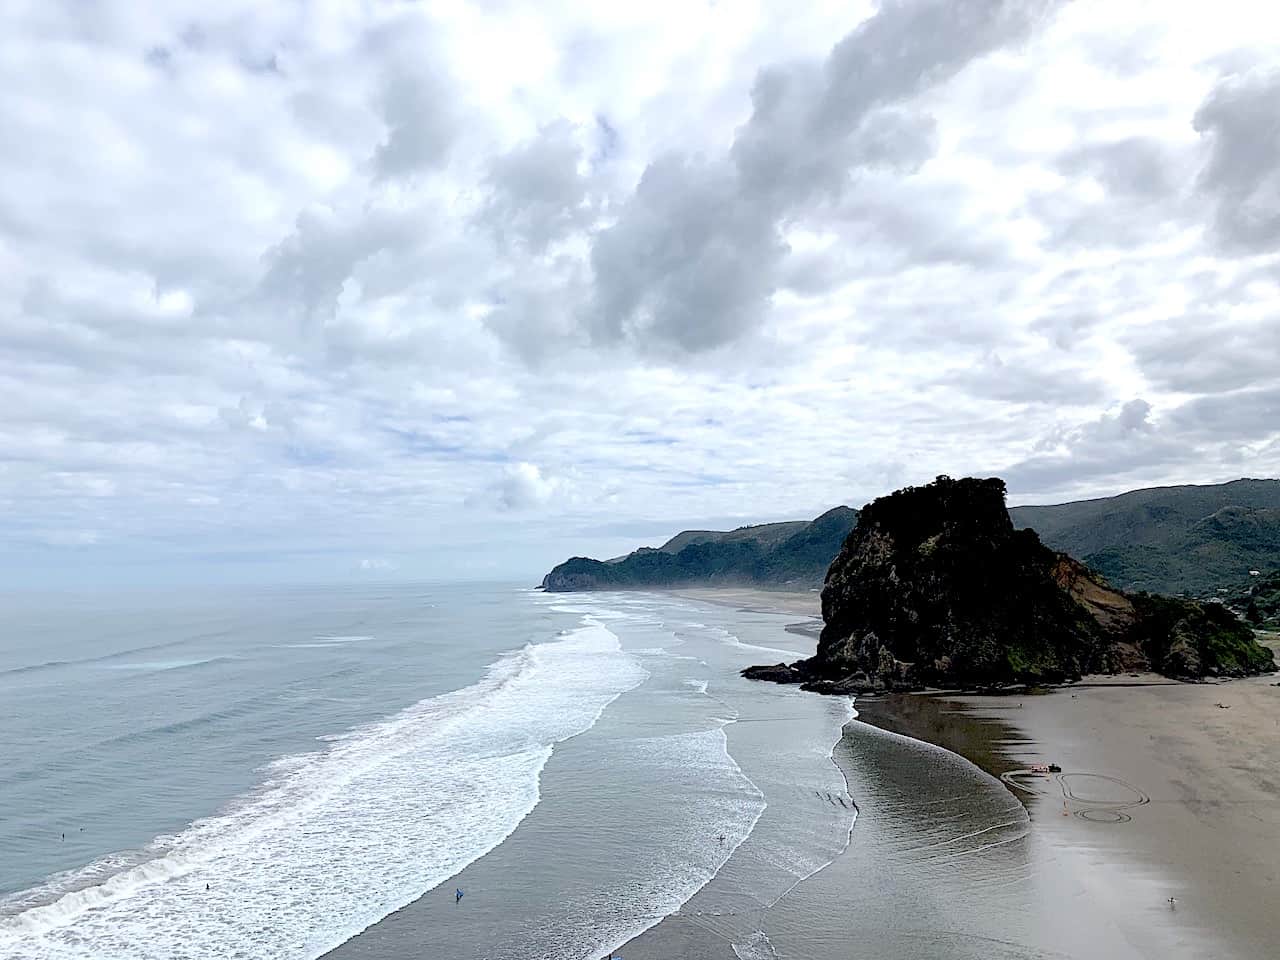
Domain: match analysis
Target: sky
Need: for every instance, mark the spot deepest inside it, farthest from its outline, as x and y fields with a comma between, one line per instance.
x=335, y=290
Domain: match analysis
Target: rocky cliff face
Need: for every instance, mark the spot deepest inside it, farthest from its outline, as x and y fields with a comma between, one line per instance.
x=935, y=587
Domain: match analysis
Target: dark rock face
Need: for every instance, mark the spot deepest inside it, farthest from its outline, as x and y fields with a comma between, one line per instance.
x=935, y=587
x=777, y=673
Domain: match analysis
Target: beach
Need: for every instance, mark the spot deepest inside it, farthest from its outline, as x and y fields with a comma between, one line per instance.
x=1162, y=794
x=597, y=776
x=801, y=603
x=1206, y=778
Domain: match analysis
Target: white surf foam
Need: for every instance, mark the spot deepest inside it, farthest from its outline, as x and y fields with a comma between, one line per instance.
x=337, y=839
x=706, y=797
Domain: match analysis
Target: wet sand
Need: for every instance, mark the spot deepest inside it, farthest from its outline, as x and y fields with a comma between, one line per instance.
x=942, y=862
x=800, y=603
x=957, y=854
x=805, y=603
x=1163, y=794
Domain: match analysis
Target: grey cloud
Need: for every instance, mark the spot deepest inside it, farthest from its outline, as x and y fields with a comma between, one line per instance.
x=421, y=125
x=1025, y=381
x=418, y=101
x=1202, y=352
x=806, y=119
x=910, y=46
x=535, y=313
x=691, y=261
x=538, y=193
x=1075, y=223
x=1245, y=416
x=1146, y=192
x=1115, y=445
x=697, y=253
x=1132, y=167
x=895, y=139
x=1226, y=338
x=388, y=249
x=309, y=267
x=1241, y=120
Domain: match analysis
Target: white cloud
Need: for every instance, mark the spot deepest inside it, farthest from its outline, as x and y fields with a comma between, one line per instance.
x=524, y=485
x=286, y=282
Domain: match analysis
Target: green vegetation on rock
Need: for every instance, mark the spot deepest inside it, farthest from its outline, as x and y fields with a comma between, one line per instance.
x=935, y=587
x=790, y=554
x=1258, y=602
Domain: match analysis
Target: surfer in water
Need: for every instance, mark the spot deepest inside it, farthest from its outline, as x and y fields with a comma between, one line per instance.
x=457, y=895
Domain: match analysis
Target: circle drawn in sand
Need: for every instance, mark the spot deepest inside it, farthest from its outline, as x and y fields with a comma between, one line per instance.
x=1100, y=798
x=1101, y=790
x=1103, y=816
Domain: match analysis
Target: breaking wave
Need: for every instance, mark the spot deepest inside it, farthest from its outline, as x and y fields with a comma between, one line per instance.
x=336, y=839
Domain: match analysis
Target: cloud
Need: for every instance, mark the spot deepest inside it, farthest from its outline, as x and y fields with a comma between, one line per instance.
x=280, y=285
x=690, y=262
x=418, y=103
x=1242, y=176
x=524, y=486
x=539, y=193
x=1129, y=167
x=1115, y=444
x=695, y=255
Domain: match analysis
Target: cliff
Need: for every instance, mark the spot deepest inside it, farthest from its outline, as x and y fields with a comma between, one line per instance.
x=793, y=554
x=935, y=587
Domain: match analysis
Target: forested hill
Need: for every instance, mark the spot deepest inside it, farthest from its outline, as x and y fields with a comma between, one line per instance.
x=1200, y=541
x=793, y=554
x=1195, y=540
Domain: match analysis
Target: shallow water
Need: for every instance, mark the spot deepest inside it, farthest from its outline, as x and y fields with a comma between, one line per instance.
x=268, y=774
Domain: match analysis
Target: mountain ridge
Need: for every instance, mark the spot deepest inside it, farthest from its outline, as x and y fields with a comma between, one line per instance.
x=789, y=553
x=1200, y=540
x=1190, y=539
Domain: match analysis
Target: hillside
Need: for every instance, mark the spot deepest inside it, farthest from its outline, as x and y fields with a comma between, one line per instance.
x=791, y=554
x=1189, y=540
x=767, y=535
x=935, y=587
x=1258, y=602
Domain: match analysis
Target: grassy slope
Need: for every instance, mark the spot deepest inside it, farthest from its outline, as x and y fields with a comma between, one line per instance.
x=1190, y=539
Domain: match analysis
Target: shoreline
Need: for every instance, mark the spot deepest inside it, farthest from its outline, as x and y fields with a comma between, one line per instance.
x=1164, y=793
x=807, y=603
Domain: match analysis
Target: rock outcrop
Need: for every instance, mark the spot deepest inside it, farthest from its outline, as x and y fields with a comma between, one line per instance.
x=935, y=587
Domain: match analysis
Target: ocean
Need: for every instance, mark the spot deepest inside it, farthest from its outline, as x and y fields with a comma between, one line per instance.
x=270, y=773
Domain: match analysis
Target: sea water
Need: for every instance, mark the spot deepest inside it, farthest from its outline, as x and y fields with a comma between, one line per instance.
x=269, y=773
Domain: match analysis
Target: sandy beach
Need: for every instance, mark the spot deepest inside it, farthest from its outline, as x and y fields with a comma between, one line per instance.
x=1163, y=793
x=803, y=603
x=1204, y=780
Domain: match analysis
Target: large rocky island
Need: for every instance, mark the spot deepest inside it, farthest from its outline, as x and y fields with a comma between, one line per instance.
x=935, y=587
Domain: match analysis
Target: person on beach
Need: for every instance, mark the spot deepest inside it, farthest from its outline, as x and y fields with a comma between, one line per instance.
x=457, y=895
